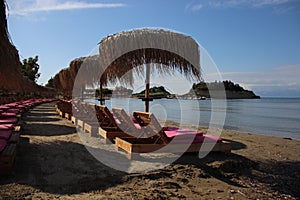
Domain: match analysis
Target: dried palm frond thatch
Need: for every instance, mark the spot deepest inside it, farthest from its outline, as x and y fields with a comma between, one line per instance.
x=168, y=51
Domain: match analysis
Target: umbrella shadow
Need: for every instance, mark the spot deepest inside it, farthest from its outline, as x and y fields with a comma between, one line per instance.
x=235, y=145
x=38, y=129
x=60, y=167
x=44, y=121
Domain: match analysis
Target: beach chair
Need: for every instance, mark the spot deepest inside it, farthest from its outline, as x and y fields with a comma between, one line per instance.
x=160, y=137
x=127, y=124
x=81, y=114
x=11, y=136
x=64, y=109
x=7, y=156
x=115, y=124
x=92, y=122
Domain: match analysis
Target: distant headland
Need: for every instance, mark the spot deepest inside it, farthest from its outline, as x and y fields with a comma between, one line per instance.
x=204, y=90
x=211, y=90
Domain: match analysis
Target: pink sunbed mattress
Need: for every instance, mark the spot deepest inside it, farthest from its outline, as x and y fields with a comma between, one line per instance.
x=7, y=115
x=4, y=107
x=173, y=131
x=13, y=110
x=3, y=144
x=6, y=126
x=9, y=120
x=5, y=134
x=12, y=104
x=199, y=139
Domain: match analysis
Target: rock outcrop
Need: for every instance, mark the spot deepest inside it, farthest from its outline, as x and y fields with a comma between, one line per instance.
x=216, y=90
x=12, y=80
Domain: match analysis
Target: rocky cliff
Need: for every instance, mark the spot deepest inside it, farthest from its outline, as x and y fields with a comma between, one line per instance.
x=12, y=80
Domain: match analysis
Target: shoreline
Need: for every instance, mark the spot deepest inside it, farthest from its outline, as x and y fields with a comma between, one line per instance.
x=242, y=115
x=203, y=127
x=52, y=163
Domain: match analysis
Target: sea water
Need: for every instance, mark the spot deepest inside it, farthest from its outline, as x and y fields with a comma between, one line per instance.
x=269, y=116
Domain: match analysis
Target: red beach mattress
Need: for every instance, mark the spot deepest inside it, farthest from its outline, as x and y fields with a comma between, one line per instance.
x=198, y=139
x=6, y=126
x=173, y=131
x=13, y=110
x=7, y=115
x=3, y=144
x=5, y=134
x=9, y=120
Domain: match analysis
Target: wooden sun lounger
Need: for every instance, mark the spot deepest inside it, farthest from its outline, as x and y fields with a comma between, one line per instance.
x=64, y=109
x=91, y=125
x=7, y=157
x=158, y=139
x=81, y=116
x=126, y=124
x=109, y=129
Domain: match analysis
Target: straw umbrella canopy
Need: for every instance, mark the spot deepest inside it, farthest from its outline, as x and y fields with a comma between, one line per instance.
x=132, y=50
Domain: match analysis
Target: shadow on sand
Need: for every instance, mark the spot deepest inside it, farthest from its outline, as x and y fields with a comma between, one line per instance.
x=60, y=168
x=65, y=167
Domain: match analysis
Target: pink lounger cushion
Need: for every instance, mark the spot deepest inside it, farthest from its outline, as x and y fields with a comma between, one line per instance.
x=12, y=104
x=5, y=134
x=137, y=126
x=9, y=120
x=199, y=139
x=173, y=131
x=3, y=144
x=6, y=126
x=13, y=110
x=7, y=114
x=4, y=107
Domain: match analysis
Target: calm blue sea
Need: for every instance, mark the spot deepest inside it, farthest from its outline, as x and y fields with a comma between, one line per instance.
x=269, y=116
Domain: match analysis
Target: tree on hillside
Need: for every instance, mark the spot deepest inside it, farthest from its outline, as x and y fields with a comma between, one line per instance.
x=30, y=68
x=50, y=83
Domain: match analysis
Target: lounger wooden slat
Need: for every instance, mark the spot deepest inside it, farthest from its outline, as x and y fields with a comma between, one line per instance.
x=109, y=129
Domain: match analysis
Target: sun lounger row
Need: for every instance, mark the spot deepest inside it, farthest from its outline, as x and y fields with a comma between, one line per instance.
x=64, y=108
x=141, y=133
x=10, y=130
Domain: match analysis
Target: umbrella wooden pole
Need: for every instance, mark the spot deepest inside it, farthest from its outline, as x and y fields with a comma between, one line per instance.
x=101, y=95
x=82, y=91
x=147, y=88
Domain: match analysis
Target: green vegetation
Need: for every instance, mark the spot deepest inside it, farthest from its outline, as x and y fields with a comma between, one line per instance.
x=50, y=83
x=233, y=91
x=30, y=68
x=105, y=92
x=227, y=85
x=155, y=92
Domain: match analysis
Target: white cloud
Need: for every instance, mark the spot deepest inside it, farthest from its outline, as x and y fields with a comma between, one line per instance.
x=245, y=3
x=193, y=6
x=25, y=7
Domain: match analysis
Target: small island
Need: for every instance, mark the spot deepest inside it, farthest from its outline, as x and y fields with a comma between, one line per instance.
x=199, y=91
x=155, y=93
x=204, y=90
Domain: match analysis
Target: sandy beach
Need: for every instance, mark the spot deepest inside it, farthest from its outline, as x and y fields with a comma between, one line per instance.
x=52, y=163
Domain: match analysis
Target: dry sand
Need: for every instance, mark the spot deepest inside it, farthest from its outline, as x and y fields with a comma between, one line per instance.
x=52, y=163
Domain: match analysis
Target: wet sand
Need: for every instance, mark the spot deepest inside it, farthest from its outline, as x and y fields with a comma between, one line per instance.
x=52, y=163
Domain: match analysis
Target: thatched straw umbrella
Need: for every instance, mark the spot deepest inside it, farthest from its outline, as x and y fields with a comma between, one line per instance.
x=167, y=51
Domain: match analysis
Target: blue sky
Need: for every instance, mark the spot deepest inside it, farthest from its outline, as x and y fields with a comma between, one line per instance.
x=255, y=43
